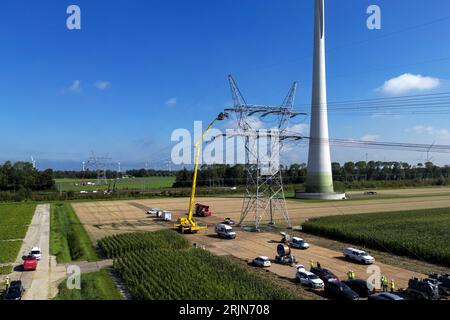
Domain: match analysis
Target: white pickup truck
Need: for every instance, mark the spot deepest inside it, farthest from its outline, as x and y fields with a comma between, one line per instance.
x=358, y=255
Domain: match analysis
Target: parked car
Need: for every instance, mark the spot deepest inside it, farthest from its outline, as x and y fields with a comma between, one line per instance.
x=309, y=279
x=385, y=296
x=261, y=261
x=361, y=287
x=324, y=274
x=298, y=243
x=358, y=255
x=15, y=291
x=29, y=263
x=229, y=222
x=225, y=231
x=339, y=291
x=153, y=211
x=36, y=252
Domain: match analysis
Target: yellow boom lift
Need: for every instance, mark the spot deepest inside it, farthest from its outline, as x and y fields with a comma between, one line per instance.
x=188, y=224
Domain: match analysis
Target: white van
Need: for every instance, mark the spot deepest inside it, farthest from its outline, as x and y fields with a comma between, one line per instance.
x=166, y=215
x=358, y=255
x=225, y=231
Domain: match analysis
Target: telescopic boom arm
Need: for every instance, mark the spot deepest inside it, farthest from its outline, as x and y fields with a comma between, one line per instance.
x=220, y=117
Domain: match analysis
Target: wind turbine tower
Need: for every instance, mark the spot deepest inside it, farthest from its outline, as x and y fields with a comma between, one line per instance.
x=33, y=161
x=319, y=181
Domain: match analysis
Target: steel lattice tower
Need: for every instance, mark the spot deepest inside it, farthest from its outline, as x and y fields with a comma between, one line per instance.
x=264, y=183
x=99, y=164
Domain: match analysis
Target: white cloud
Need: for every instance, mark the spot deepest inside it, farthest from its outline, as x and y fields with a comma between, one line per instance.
x=254, y=122
x=75, y=87
x=102, y=85
x=172, y=102
x=301, y=128
x=408, y=83
x=439, y=135
x=370, y=137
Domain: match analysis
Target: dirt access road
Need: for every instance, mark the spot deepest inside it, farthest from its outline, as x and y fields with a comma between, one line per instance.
x=249, y=245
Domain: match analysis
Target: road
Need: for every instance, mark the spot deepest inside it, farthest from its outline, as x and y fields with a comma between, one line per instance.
x=42, y=283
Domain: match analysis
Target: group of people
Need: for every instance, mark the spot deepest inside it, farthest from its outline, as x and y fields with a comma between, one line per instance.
x=385, y=284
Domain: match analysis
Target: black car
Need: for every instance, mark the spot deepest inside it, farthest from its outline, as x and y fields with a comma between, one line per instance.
x=15, y=291
x=324, y=274
x=359, y=286
x=339, y=291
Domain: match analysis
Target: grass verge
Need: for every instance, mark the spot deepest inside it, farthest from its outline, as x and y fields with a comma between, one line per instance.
x=9, y=250
x=14, y=221
x=94, y=286
x=69, y=240
x=5, y=270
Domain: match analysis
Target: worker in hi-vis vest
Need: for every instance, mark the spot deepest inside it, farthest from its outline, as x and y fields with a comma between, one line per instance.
x=351, y=275
x=384, y=283
x=7, y=282
x=311, y=264
x=392, y=285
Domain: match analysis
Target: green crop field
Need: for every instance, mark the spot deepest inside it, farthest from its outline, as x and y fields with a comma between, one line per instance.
x=117, y=245
x=169, y=268
x=14, y=221
x=420, y=234
x=121, y=184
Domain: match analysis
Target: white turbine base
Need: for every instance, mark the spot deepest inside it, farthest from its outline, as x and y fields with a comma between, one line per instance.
x=320, y=196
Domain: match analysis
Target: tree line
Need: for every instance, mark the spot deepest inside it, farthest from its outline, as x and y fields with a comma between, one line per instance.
x=23, y=176
x=225, y=175
x=111, y=174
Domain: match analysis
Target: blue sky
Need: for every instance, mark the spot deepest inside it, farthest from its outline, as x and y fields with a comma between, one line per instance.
x=140, y=69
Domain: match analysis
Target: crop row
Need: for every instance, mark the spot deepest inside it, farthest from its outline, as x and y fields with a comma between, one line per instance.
x=193, y=274
x=421, y=234
x=116, y=245
x=162, y=265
